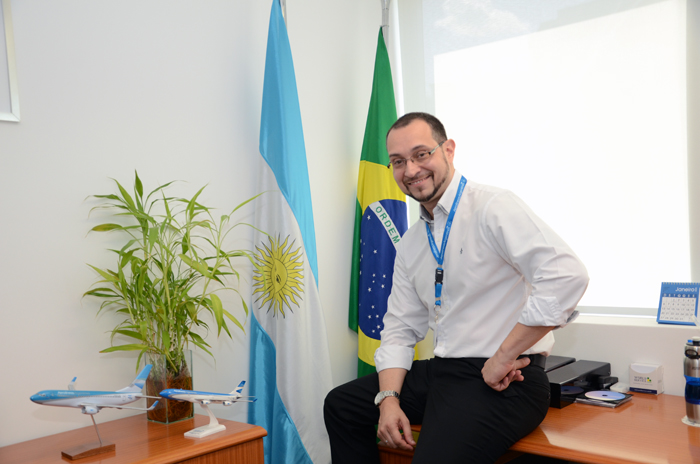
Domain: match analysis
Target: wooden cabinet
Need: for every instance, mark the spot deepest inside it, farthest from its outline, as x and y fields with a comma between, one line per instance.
x=141, y=442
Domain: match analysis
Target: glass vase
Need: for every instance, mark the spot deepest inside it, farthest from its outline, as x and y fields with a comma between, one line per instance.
x=175, y=372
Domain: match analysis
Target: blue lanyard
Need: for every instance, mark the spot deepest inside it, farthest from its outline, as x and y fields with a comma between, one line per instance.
x=440, y=254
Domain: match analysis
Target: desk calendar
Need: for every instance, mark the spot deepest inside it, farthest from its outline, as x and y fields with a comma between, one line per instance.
x=678, y=303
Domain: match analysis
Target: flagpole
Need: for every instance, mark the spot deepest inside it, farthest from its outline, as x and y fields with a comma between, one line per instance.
x=385, y=20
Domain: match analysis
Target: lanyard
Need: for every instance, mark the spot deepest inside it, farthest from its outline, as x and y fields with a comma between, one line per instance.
x=440, y=254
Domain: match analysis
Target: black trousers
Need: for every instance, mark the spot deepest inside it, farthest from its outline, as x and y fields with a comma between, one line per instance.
x=463, y=419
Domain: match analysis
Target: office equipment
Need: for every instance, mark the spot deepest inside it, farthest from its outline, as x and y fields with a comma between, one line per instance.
x=678, y=303
x=555, y=362
x=569, y=381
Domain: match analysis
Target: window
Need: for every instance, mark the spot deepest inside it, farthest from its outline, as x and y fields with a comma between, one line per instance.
x=580, y=108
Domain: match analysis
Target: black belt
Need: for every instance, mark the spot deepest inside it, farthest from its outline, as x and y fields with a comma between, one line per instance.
x=538, y=360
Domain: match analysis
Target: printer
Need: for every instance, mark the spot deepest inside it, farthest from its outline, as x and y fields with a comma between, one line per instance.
x=569, y=378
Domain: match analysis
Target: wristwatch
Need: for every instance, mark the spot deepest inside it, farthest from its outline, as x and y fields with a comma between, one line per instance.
x=384, y=394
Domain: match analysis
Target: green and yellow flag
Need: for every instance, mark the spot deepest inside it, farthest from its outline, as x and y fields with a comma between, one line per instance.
x=380, y=219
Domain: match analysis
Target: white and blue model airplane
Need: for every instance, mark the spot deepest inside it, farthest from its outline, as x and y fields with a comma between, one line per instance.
x=91, y=401
x=205, y=399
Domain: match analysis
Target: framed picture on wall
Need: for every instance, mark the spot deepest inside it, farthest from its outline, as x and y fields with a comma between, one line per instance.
x=9, y=95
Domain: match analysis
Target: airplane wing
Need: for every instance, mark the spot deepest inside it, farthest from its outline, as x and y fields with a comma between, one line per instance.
x=100, y=406
x=226, y=402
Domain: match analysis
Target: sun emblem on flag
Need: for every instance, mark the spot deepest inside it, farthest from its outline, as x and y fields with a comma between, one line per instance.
x=279, y=275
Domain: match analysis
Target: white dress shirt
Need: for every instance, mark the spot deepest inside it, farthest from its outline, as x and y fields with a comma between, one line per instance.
x=503, y=265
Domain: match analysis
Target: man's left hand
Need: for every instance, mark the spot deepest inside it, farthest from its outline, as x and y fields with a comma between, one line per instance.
x=499, y=373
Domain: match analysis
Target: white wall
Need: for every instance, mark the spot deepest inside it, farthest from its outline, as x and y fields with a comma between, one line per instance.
x=172, y=89
x=622, y=341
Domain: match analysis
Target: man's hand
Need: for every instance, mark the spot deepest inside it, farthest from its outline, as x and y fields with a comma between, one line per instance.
x=504, y=367
x=391, y=420
x=498, y=373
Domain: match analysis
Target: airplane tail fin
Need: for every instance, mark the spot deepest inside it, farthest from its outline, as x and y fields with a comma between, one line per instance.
x=238, y=390
x=139, y=382
x=71, y=385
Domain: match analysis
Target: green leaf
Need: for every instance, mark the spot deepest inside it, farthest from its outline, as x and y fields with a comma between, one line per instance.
x=125, y=258
x=234, y=320
x=143, y=327
x=202, y=346
x=185, y=243
x=108, y=277
x=191, y=310
x=152, y=238
x=192, y=203
x=128, y=244
x=246, y=202
x=218, y=309
x=159, y=188
x=197, y=338
x=138, y=186
x=198, y=266
x=127, y=198
x=245, y=307
x=130, y=347
x=130, y=333
x=102, y=293
x=106, y=227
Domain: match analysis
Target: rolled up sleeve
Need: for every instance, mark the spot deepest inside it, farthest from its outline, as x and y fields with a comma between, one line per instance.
x=557, y=277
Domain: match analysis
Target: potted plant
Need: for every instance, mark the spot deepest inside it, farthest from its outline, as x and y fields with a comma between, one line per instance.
x=165, y=283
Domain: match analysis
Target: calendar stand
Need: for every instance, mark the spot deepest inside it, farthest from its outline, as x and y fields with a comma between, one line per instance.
x=678, y=303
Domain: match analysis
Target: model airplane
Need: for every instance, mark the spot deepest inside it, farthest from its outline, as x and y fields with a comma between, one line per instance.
x=204, y=399
x=92, y=401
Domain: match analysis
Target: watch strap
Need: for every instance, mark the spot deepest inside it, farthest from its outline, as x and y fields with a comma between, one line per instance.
x=382, y=395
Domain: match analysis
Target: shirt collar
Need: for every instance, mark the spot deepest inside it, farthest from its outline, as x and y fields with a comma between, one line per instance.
x=445, y=203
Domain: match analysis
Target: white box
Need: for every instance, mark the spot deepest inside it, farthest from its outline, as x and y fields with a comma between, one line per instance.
x=646, y=378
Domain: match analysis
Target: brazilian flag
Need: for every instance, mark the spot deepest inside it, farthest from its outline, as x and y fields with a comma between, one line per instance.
x=380, y=219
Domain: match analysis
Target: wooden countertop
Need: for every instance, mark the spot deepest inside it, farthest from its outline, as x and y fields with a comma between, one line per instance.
x=137, y=441
x=648, y=429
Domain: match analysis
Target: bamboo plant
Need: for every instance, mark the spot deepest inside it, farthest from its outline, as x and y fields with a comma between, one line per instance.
x=168, y=274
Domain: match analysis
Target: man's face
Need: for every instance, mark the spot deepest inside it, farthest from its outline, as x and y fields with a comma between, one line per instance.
x=427, y=182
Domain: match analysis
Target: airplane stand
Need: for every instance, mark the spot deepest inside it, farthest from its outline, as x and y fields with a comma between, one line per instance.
x=90, y=449
x=209, y=429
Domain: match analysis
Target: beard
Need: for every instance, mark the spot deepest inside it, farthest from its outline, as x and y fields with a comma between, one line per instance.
x=421, y=198
x=428, y=196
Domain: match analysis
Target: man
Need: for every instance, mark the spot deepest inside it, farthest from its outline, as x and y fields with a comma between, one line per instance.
x=492, y=281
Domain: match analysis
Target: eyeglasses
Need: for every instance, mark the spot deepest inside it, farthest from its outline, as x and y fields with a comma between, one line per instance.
x=419, y=158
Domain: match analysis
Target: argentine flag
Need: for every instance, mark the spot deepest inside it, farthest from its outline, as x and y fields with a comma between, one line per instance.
x=290, y=371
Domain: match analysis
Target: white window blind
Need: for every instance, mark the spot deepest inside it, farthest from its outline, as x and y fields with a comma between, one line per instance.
x=579, y=107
